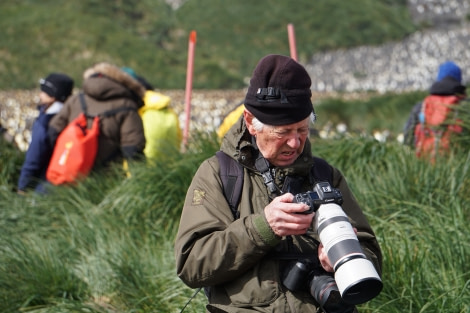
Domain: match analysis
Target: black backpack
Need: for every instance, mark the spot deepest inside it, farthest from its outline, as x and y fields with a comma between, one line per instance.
x=231, y=174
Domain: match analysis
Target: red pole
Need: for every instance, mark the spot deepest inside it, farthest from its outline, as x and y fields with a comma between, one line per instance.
x=189, y=85
x=293, y=48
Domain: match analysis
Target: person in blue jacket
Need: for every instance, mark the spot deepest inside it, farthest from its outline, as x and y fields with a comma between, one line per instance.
x=55, y=89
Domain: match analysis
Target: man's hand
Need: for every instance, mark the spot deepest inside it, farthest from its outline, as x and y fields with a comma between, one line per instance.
x=282, y=215
x=324, y=260
x=323, y=257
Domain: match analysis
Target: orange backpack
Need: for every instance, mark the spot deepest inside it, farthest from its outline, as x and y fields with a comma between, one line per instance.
x=76, y=147
x=437, y=123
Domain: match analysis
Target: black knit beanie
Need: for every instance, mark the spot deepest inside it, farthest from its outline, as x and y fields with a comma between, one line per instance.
x=279, y=92
x=57, y=85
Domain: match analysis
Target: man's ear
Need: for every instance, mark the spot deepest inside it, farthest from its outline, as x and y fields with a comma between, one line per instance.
x=249, y=122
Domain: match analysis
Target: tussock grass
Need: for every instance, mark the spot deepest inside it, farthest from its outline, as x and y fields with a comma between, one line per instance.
x=10, y=167
x=106, y=245
x=420, y=214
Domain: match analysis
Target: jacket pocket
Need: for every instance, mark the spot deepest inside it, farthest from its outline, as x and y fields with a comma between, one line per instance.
x=257, y=287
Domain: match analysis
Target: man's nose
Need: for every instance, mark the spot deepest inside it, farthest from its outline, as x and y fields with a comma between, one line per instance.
x=294, y=142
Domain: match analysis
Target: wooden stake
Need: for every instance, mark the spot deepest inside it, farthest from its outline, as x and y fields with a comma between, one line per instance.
x=189, y=83
x=293, y=48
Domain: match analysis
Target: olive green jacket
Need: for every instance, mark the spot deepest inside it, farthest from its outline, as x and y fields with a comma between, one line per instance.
x=242, y=260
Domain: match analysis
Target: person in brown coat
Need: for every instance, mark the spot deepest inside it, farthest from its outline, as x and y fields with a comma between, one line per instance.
x=107, y=87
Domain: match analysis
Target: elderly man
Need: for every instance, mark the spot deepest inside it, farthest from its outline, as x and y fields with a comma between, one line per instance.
x=242, y=259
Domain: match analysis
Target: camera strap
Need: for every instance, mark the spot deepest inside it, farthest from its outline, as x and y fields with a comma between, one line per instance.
x=190, y=299
x=292, y=184
x=262, y=165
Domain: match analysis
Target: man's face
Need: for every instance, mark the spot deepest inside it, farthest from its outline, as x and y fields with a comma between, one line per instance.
x=280, y=145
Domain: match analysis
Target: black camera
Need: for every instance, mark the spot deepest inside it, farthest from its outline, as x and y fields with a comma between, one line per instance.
x=355, y=279
x=306, y=275
x=323, y=193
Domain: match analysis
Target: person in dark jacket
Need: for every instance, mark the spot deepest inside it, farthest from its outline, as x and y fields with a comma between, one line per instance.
x=106, y=87
x=55, y=89
x=448, y=83
x=241, y=262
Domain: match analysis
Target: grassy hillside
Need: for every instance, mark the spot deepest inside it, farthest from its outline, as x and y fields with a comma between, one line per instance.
x=106, y=246
x=52, y=35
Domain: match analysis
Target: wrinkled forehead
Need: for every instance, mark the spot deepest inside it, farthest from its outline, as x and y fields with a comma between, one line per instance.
x=305, y=123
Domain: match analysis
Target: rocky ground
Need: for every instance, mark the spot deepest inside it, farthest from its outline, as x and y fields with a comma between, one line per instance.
x=208, y=108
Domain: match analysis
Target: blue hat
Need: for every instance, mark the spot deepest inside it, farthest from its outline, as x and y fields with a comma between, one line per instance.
x=451, y=69
x=129, y=71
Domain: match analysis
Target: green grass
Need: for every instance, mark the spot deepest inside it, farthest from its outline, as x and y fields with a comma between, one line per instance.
x=106, y=245
x=372, y=113
x=419, y=213
x=10, y=167
x=52, y=35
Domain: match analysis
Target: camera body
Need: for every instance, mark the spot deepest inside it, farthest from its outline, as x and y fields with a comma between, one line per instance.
x=355, y=279
x=323, y=193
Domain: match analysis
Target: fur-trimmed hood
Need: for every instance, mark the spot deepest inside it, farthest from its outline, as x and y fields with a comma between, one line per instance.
x=116, y=74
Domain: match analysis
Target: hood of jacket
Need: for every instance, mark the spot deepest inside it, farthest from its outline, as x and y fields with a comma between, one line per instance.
x=447, y=86
x=239, y=144
x=155, y=101
x=105, y=81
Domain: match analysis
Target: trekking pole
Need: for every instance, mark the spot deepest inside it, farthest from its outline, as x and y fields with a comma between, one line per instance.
x=189, y=82
x=291, y=34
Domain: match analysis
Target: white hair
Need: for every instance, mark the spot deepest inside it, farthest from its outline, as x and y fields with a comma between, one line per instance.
x=258, y=126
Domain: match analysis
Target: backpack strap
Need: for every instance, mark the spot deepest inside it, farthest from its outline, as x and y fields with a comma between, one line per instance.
x=83, y=103
x=231, y=173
